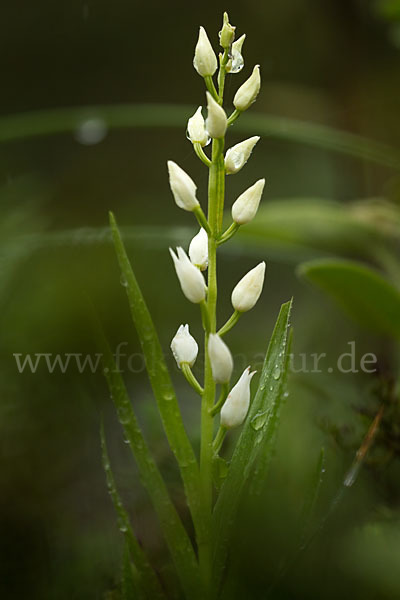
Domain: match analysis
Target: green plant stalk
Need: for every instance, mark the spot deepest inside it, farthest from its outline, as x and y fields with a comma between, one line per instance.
x=216, y=190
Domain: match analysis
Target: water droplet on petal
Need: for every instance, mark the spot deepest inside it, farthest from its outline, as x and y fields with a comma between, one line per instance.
x=237, y=62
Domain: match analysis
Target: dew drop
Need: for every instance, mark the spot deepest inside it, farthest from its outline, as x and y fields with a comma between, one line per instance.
x=277, y=373
x=123, y=281
x=259, y=420
x=237, y=62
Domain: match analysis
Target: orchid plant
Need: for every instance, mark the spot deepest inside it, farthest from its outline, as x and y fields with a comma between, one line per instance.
x=212, y=484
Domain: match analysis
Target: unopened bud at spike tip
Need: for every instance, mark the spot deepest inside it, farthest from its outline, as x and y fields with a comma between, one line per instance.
x=236, y=406
x=248, y=290
x=245, y=208
x=237, y=156
x=227, y=33
x=220, y=358
x=198, y=250
x=196, y=129
x=204, y=61
x=183, y=187
x=184, y=347
x=217, y=121
x=191, y=280
x=248, y=92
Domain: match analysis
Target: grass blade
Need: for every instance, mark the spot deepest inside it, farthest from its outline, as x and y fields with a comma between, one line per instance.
x=174, y=532
x=161, y=384
x=256, y=432
x=147, y=578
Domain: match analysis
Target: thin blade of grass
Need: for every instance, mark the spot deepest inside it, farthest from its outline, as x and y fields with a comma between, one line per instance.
x=256, y=432
x=313, y=495
x=147, y=579
x=174, y=532
x=161, y=384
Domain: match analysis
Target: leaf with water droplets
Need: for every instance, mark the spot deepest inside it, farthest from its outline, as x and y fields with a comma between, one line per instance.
x=160, y=381
x=142, y=577
x=258, y=431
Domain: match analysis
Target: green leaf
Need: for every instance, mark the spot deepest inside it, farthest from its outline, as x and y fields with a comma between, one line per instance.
x=161, y=383
x=146, y=578
x=267, y=446
x=257, y=431
x=360, y=291
x=66, y=120
x=174, y=532
x=302, y=228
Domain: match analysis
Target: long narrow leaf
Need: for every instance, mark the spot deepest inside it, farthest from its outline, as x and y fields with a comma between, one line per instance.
x=161, y=383
x=147, y=577
x=258, y=428
x=174, y=532
x=267, y=446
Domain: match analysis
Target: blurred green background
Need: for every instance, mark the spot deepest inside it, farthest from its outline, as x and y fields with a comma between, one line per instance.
x=333, y=63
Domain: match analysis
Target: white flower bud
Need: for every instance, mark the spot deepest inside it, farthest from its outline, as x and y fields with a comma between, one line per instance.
x=217, y=121
x=196, y=129
x=184, y=347
x=248, y=290
x=236, y=406
x=248, y=92
x=205, y=61
x=237, y=156
x=227, y=33
x=220, y=358
x=244, y=209
x=198, y=250
x=183, y=187
x=191, y=280
x=236, y=63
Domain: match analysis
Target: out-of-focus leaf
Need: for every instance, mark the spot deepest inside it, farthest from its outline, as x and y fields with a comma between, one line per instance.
x=257, y=430
x=161, y=383
x=360, y=291
x=301, y=228
x=67, y=120
x=143, y=576
x=130, y=590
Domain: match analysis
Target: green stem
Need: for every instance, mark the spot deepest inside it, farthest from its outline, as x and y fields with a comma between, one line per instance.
x=221, y=400
x=216, y=188
x=187, y=371
x=211, y=88
x=201, y=154
x=230, y=232
x=201, y=219
x=235, y=115
x=231, y=322
x=222, y=75
x=219, y=439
